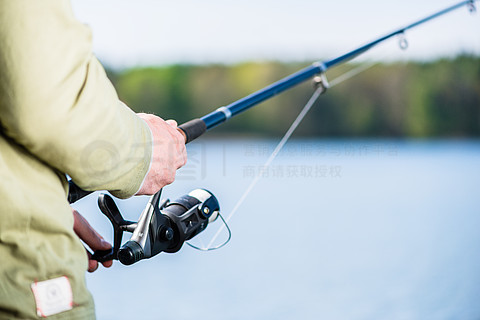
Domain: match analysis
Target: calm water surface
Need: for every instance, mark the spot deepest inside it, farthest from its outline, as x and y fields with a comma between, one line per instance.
x=334, y=230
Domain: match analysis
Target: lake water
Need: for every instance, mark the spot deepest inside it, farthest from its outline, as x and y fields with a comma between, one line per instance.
x=341, y=229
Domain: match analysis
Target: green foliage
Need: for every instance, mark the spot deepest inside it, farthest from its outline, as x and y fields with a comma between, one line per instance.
x=435, y=99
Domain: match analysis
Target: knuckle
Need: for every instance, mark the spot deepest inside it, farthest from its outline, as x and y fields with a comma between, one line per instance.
x=168, y=176
x=169, y=179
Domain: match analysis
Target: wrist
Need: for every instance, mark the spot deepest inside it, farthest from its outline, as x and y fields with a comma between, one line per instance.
x=143, y=186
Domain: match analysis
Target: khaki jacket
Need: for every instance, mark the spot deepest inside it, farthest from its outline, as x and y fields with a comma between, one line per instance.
x=59, y=115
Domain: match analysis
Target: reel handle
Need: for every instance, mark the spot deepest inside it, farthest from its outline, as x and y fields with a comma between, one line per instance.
x=104, y=255
x=110, y=210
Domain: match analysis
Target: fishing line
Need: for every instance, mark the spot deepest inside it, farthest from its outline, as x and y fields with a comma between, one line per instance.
x=208, y=248
x=322, y=85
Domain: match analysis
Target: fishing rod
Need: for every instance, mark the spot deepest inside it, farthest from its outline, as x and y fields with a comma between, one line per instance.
x=195, y=128
x=165, y=226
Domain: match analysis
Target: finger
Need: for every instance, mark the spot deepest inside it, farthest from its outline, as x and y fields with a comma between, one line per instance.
x=173, y=123
x=183, y=135
x=95, y=241
x=87, y=234
x=182, y=158
x=185, y=157
x=107, y=264
x=92, y=264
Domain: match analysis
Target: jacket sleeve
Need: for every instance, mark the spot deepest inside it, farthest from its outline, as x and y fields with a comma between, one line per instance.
x=57, y=102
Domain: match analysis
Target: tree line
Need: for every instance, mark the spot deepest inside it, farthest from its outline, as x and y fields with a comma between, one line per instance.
x=416, y=99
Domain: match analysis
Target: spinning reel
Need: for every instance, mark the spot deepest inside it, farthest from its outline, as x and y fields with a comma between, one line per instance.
x=162, y=227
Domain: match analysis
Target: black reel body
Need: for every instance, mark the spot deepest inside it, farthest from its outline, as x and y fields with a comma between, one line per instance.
x=162, y=227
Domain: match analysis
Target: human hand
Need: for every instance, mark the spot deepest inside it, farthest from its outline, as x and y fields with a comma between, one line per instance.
x=91, y=237
x=169, y=153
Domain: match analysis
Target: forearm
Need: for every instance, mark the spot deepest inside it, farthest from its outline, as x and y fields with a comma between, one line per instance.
x=57, y=102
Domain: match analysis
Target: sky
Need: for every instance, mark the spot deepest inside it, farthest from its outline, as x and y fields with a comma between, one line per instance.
x=130, y=33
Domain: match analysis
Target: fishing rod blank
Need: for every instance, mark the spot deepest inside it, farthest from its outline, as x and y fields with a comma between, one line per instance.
x=196, y=127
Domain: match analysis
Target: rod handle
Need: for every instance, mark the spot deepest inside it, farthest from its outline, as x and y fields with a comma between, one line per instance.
x=193, y=129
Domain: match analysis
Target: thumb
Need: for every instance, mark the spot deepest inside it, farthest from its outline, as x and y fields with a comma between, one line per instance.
x=173, y=123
